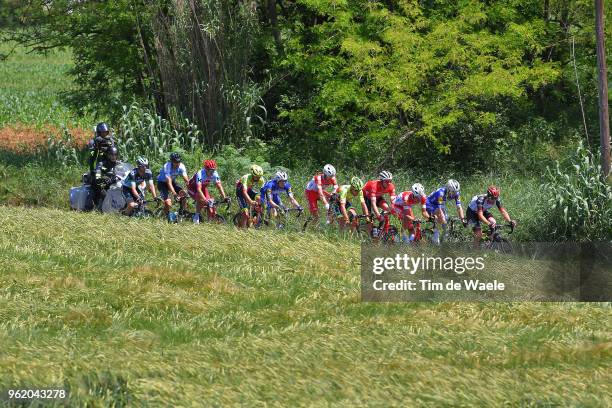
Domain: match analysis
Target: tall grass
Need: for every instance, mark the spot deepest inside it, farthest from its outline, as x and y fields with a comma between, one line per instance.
x=140, y=313
x=579, y=199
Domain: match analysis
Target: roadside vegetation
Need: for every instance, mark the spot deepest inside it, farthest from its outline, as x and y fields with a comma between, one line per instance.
x=130, y=312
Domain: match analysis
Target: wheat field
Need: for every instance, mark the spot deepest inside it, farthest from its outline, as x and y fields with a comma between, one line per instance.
x=128, y=312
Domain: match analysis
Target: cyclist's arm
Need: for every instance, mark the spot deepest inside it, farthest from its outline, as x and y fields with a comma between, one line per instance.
x=199, y=192
x=343, y=210
x=220, y=188
x=269, y=199
x=170, y=185
x=245, y=194
x=186, y=179
x=505, y=214
x=374, y=206
x=293, y=200
x=459, y=207
x=151, y=186
x=321, y=193
x=133, y=191
x=423, y=203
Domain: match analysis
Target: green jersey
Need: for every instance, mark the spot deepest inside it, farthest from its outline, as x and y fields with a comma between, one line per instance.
x=248, y=181
x=345, y=194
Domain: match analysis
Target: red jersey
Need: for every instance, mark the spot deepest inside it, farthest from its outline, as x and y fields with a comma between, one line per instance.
x=374, y=188
x=407, y=199
x=318, y=180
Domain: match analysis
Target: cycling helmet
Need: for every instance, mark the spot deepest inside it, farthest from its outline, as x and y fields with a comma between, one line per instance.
x=385, y=175
x=281, y=176
x=175, y=157
x=492, y=192
x=142, y=162
x=356, y=183
x=112, y=153
x=102, y=127
x=329, y=170
x=418, y=190
x=210, y=164
x=256, y=170
x=452, y=186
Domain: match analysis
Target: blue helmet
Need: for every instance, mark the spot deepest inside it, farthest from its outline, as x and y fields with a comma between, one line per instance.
x=102, y=127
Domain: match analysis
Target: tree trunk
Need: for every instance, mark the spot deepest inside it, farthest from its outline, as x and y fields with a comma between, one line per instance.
x=604, y=122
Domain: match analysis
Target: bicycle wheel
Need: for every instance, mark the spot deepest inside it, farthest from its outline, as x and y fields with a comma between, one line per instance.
x=502, y=246
x=219, y=219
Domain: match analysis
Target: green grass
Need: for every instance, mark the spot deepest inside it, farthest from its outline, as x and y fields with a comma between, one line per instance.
x=127, y=312
x=30, y=87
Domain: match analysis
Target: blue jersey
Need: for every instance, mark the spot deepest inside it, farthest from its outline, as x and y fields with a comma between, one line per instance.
x=272, y=187
x=135, y=179
x=169, y=171
x=438, y=198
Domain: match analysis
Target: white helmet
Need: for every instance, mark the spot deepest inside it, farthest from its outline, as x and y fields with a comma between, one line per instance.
x=418, y=190
x=452, y=186
x=329, y=170
x=142, y=161
x=281, y=176
x=385, y=175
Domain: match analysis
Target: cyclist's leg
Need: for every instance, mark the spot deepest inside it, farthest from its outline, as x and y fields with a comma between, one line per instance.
x=312, y=197
x=129, y=199
x=473, y=220
x=164, y=193
x=243, y=205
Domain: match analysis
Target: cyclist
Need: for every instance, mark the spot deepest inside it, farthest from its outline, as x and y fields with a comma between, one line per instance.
x=270, y=194
x=402, y=206
x=346, y=213
x=198, y=188
x=436, y=206
x=166, y=181
x=105, y=175
x=315, y=190
x=478, y=212
x=247, y=192
x=134, y=184
x=98, y=146
x=374, y=190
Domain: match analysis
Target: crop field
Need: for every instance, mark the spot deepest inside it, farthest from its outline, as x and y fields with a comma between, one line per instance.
x=30, y=105
x=127, y=313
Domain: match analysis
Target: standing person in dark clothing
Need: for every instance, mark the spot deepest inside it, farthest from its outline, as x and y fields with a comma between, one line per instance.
x=98, y=146
x=105, y=175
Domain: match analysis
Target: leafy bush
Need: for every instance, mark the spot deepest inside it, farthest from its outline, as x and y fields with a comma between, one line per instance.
x=143, y=133
x=580, y=200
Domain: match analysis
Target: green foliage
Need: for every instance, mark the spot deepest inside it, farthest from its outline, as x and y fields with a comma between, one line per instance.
x=62, y=149
x=142, y=132
x=442, y=81
x=579, y=200
x=30, y=87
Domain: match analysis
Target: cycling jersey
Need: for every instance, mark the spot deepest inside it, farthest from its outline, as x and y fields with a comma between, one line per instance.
x=135, y=179
x=248, y=181
x=438, y=199
x=344, y=192
x=374, y=188
x=272, y=188
x=202, y=177
x=407, y=199
x=480, y=203
x=169, y=171
x=318, y=180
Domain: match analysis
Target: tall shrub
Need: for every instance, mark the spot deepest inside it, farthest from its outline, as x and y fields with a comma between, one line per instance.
x=579, y=200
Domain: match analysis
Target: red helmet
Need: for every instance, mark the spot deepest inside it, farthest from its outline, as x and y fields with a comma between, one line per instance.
x=492, y=191
x=210, y=164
